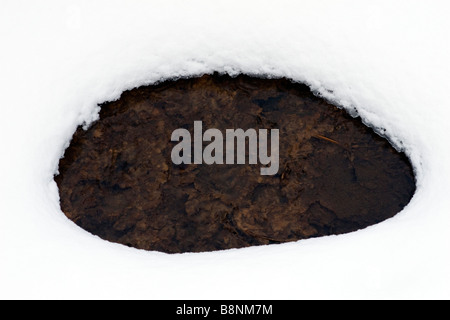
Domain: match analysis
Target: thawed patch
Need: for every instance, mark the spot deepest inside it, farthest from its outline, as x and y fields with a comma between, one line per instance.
x=332, y=174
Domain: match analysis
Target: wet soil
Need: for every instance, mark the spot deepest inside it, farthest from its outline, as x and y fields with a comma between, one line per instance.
x=117, y=179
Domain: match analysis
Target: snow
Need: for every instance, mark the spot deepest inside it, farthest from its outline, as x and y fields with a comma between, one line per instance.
x=387, y=61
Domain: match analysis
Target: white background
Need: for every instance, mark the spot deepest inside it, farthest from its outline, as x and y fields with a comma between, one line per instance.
x=389, y=60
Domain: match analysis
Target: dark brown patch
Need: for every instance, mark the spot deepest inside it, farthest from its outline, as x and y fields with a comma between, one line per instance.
x=117, y=179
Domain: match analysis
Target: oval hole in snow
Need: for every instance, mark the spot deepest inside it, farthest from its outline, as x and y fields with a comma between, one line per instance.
x=118, y=179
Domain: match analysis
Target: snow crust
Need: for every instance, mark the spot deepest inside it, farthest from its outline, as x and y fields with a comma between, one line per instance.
x=387, y=61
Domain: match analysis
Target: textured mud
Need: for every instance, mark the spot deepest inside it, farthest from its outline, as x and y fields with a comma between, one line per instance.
x=117, y=179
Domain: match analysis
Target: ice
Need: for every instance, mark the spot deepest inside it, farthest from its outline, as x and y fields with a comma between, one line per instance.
x=385, y=61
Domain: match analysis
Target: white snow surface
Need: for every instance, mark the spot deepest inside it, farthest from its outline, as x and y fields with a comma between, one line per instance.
x=389, y=61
